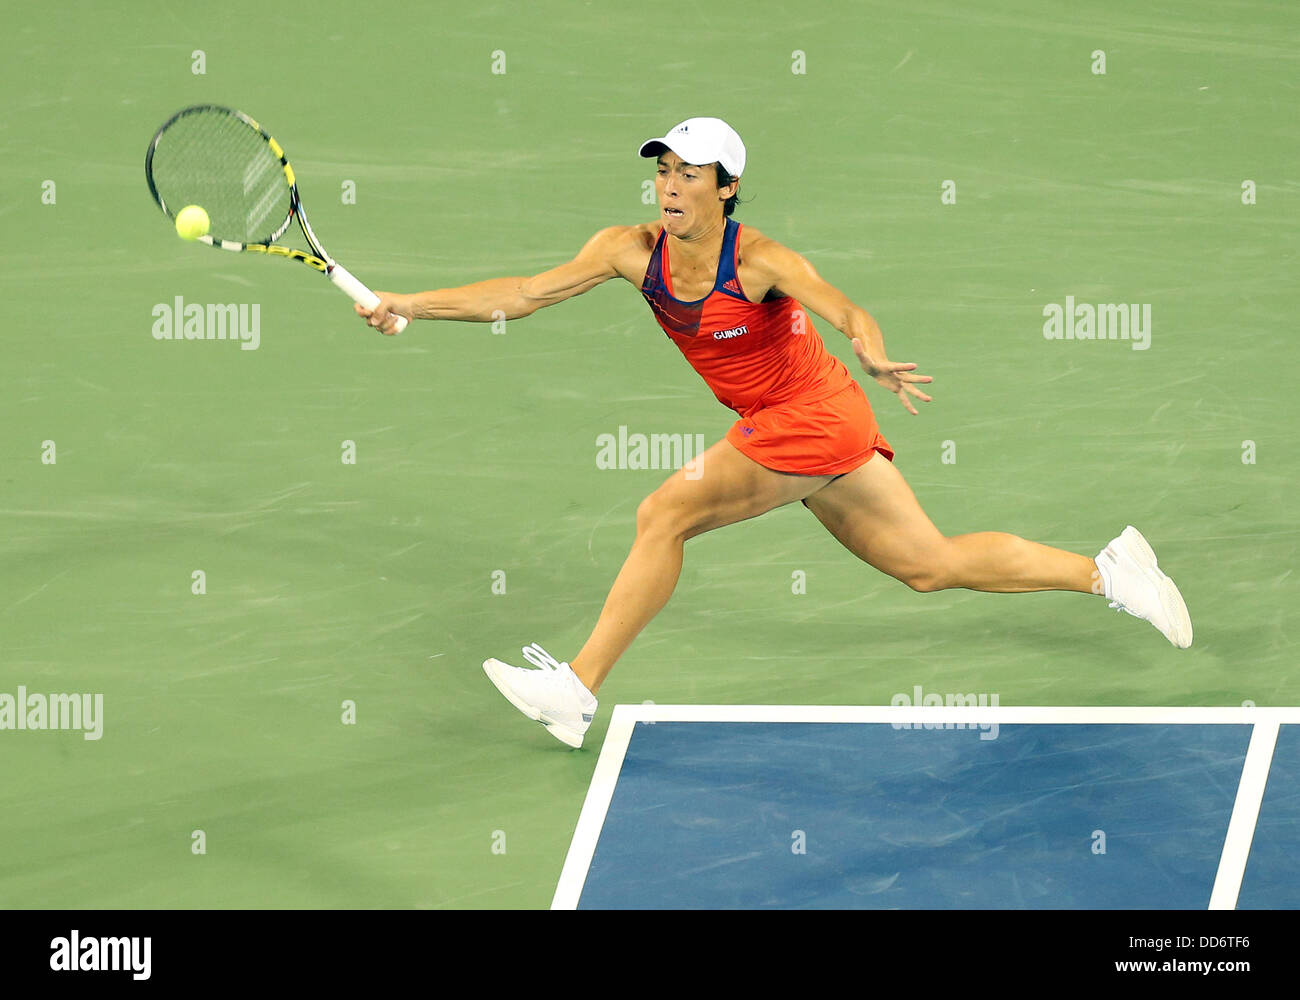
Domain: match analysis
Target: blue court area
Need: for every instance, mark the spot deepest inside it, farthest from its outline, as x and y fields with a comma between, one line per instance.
x=1272, y=878
x=727, y=815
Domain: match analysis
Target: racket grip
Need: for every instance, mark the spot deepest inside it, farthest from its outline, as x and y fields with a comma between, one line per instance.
x=357, y=292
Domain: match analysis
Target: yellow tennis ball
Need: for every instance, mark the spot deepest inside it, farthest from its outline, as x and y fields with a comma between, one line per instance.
x=192, y=222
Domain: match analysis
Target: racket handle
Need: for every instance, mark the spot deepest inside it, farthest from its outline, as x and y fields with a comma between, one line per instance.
x=357, y=292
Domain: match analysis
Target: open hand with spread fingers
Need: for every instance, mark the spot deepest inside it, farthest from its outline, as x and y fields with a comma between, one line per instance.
x=896, y=376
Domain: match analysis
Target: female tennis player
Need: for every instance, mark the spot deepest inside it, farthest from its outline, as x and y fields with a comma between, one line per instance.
x=734, y=302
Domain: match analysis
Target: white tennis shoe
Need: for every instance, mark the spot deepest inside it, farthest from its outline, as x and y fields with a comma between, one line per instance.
x=552, y=694
x=1134, y=584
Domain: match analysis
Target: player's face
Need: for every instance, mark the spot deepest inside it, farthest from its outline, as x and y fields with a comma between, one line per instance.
x=689, y=196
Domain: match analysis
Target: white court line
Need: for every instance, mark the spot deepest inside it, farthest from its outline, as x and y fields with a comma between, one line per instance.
x=258, y=213
x=1245, y=813
x=259, y=165
x=583, y=846
x=1241, y=827
x=1005, y=714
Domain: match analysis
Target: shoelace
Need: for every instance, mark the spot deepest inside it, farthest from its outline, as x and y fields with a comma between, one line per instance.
x=1117, y=606
x=540, y=658
x=543, y=660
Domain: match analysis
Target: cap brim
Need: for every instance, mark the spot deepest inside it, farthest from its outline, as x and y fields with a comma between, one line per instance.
x=682, y=147
x=655, y=147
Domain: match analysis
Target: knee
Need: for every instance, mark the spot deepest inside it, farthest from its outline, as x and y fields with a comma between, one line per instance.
x=929, y=574
x=925, y=580
x=658, y=515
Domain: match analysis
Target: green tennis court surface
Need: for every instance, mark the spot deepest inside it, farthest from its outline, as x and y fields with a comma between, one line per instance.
x=316, y=721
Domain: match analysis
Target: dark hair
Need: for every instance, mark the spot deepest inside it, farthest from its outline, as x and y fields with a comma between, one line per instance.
x=724, y=178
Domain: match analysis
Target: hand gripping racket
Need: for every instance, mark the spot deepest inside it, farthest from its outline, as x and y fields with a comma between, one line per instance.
x=226, y=163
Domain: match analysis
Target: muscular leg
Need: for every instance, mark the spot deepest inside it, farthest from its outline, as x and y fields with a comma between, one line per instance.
x=724, y=487
x=875, y=515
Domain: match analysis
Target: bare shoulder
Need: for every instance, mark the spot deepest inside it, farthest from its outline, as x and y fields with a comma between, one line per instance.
x=763, y=263
x=612, y=236
x=626, y=249
x=762, y=252
x=639, y=237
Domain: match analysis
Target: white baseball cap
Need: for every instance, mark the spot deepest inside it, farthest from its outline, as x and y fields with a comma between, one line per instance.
x=702, y=140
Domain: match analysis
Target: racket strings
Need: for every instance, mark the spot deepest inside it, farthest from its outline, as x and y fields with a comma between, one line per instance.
x=213, y=159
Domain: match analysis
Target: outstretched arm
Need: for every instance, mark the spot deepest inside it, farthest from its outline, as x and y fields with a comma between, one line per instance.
x=792, y=275
x=508, y=298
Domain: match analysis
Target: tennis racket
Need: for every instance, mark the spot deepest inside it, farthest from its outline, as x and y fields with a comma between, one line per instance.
x=225, y=162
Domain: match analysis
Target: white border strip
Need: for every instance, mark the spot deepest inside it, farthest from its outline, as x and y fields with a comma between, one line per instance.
x=1005, y=714
x=592, y=819
x=1245, y=813
x=1241, y=827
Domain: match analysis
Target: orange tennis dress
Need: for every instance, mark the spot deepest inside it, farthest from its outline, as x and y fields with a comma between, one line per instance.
x=800, y=409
